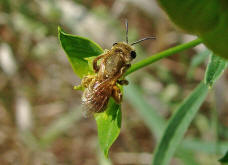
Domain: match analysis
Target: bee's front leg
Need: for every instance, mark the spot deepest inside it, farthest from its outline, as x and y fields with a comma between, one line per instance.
x=95, y=66
x=116, y=94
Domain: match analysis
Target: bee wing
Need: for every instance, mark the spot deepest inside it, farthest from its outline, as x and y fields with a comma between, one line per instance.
x=95, y=97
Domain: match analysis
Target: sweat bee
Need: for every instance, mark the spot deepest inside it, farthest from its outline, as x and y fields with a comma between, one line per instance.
x=112, y=65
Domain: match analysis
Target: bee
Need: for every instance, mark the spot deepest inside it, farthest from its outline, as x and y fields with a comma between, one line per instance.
x=109, y=69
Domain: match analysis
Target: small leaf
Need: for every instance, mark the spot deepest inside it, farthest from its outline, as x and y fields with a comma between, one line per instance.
x=108, y=125
x=224, y=159
x=215, y=68
x=178, y=125
x=78, y=49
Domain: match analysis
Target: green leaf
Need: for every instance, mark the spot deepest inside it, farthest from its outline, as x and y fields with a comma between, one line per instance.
x=180, y=121
x=108, y=125
x=178, y=125
x=215, y=68
x=224, y=159
x=207, y=19
x=78, y=49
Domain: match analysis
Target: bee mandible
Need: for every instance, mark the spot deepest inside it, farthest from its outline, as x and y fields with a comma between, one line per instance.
x=102, y=85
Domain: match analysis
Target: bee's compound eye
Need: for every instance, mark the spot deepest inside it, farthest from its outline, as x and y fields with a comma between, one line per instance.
x=114, y=44
x=133, y=54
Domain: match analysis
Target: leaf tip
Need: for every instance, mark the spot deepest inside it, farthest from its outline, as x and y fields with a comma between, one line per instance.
x=59, y=29
x=60, y=32
x=106, y=153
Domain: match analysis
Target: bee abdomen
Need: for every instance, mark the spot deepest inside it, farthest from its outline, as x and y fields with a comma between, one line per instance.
x=95, y=100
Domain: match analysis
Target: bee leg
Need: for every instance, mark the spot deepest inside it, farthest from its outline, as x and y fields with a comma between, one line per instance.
x=122, y=71
x=116, y=94
x=95, y=66
x=122, y=82
x=85, y=82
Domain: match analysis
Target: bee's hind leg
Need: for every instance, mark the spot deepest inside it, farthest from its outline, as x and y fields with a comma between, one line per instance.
x=116, y=94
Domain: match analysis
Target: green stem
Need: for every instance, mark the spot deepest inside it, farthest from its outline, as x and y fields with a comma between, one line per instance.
x=163, y=54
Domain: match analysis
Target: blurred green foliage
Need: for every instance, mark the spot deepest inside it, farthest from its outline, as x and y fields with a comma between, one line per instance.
x=207, y=19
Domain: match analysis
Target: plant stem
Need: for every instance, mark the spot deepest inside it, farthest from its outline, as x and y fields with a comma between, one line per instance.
x=163, y=54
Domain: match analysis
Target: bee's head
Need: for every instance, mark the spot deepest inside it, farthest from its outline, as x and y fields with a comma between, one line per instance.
x=125, y=50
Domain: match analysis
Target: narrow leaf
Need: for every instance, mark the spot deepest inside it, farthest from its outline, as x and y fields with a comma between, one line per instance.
x=78, y=49
x=178, y=125
x=215, y=68
x=108, y=125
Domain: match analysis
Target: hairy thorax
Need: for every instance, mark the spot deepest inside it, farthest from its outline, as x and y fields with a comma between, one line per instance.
x=110, y=66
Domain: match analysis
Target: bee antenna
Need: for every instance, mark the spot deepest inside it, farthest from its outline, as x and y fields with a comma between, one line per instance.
x=143, y=39
x=126, y=25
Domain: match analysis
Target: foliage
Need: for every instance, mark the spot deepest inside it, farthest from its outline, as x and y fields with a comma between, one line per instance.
x=207, y=19
x=108, y=126
x=178, y=125
x=40, y=116
x=77, y=49
x=215, y=68
x=224, y=159
x=109, y=122
x=181, y=120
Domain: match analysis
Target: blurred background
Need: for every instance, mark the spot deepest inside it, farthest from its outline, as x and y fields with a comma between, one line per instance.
x=40, y=119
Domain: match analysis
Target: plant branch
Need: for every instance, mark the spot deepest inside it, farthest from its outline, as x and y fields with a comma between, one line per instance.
x=163, y=54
